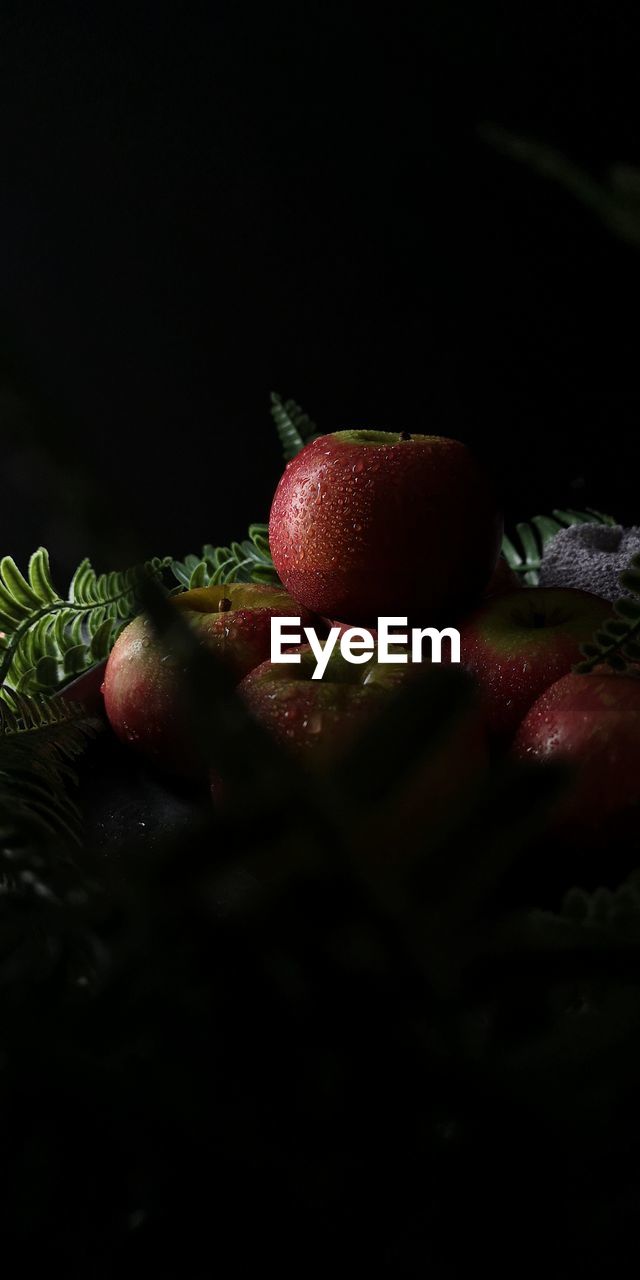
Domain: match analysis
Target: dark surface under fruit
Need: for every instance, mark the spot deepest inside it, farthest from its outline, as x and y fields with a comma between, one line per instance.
x=128, y=806
x=245, y=1037
x=314, y=1022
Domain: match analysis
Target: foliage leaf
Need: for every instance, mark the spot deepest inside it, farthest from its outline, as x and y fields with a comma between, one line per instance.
x=40, y=738
x=602, y=916
x=295, y=428
x=631, y=580
x=533, y=538
x=45, y=638
x=246, y=561
x=617, y=642
x=615, y=201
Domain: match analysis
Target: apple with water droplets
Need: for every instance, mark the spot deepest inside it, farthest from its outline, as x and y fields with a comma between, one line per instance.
x=372, y=523
x=518, y=644
x=318, y=721
x=143, y=696
x=592, y=723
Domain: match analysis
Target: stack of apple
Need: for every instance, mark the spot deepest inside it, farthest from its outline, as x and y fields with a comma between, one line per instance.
x=365, y=524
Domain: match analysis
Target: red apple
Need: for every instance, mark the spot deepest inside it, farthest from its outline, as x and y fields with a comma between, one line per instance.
x=142, y=691
x=593, y=723
x=318, y=721
x=518, y=644
x=366, y=523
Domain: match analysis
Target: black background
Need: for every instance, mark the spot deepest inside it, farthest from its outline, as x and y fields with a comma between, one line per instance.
x=204, y=202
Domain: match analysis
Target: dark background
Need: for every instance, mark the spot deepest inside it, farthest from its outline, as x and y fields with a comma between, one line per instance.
x=203, y=203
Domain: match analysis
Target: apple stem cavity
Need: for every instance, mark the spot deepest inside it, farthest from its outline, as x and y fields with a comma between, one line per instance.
x=405, y=435
x=224, y=605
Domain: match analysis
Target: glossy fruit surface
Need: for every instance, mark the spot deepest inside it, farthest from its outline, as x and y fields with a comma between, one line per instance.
x=591, y=722
x=143, y=693
x=519, y=643
x=366, y=523
x=317, y=719
x=318, y=722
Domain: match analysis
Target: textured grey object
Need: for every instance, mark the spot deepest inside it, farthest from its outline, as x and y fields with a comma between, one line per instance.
x=590, y=557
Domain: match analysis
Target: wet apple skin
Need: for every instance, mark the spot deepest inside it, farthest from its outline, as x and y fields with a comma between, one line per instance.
x=143, y=691
x=591, y=723
x=318, y=723
x=407, y=527
x=514, y=661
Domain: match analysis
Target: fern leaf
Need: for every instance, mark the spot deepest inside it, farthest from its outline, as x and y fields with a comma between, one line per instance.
x=615, y=200
x=617, y=642
x=40, y=738
x=45, y=638
x=246, y=561
x=295, y=428
x=525, y=559
x=17, y=585
x=603, y=918
x=40, y=575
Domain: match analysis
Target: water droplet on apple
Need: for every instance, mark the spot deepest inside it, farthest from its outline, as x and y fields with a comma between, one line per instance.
x=315, y=722
x=358, y=467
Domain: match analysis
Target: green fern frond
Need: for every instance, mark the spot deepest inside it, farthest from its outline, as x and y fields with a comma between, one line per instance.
x=534, y=537
x=617, y=642
x=295, y=428
x=46, y=639
x=604, y=917
x=615, y=909
x=616, y=200
x=247, y=561
x=40, y=738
